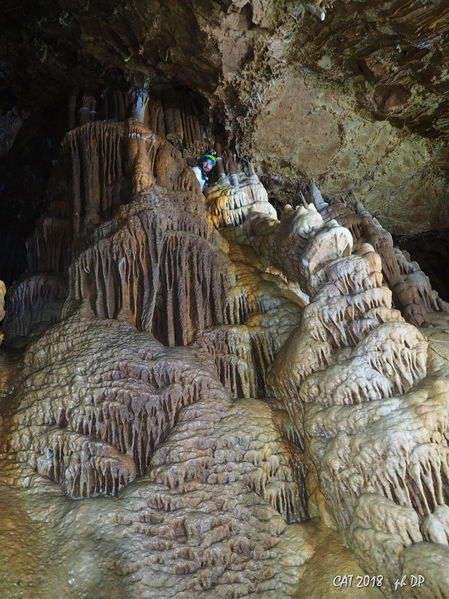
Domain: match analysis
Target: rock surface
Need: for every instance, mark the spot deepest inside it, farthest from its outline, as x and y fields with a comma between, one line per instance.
x=222, y=394
x=225, y=393
x=357, y=100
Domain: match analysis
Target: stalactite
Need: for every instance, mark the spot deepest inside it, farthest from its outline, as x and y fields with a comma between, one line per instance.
x=99, y=445
x=2, y=305
x=187, y=136
x=121, y=103
x=48, y=250
x=160, y=263
x=142, y=148
x=33, y=303
x=173, y=120
x=97, y=155
x=170, y=115
x=155, y=117
x=86, y=111
x=97, y=178
x=139, y=102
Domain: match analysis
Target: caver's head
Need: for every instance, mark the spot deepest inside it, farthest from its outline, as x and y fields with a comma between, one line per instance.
x=207, y=162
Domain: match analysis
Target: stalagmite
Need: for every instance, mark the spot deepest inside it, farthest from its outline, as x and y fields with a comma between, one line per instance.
x=372, y=418
x=218, y=375
x=318, y=200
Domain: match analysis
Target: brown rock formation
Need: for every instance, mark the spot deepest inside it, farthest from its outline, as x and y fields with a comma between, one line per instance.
x=411, y=288
x=203, y=508
x=111, y=405
x=206, y=399
x=212, y=485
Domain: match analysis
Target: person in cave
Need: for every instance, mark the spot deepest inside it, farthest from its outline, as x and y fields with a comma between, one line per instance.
x=206, y=165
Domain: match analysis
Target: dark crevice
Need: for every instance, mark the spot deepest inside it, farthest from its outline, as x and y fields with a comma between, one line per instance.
x=431, y=251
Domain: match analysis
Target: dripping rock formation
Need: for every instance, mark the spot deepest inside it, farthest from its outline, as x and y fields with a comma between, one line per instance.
x=240, y=392
x=218, y=387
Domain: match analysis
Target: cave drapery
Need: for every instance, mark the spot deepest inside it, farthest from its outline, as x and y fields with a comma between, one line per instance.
x=207, y=396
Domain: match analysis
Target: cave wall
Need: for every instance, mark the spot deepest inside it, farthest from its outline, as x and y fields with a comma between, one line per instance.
x=210, y=396
x=397, y=175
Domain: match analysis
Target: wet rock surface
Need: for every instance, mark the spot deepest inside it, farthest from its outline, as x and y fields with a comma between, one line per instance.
x=215, y=395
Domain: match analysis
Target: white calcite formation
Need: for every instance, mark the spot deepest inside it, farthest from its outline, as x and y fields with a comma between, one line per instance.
x=372, y=415
x=205, y=393
x=230, y=203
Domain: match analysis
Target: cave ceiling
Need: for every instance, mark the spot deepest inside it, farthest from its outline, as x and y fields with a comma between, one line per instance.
x=357, y=100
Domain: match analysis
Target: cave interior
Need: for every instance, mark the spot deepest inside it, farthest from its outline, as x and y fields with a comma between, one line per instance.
x=243, y=391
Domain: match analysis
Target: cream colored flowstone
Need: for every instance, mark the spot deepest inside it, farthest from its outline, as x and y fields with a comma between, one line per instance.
x=373, y=414
x=189, y=490
x=204, y=517
x=368, y=398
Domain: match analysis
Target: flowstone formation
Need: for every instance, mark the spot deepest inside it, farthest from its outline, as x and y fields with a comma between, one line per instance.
x=211, y=400
x=370, y=410
x=411, y=288
x=200, y=517
x=194, y=504
x=370, y=414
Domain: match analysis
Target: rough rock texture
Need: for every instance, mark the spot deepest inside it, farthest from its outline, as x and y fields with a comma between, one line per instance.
x=392, y=172
x=200, y=518
x=411, y=288
x=357, y=99
x=372, y=416
x=430, y=249
x=226, y=397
